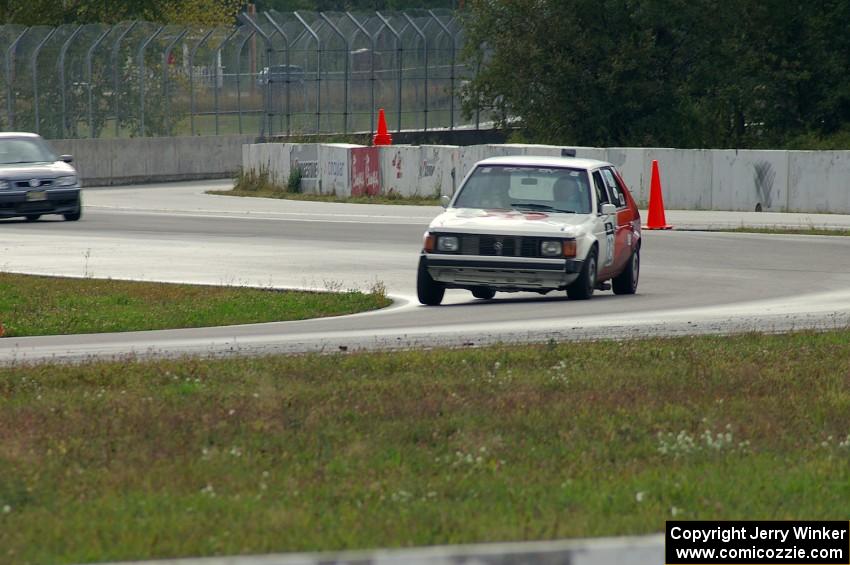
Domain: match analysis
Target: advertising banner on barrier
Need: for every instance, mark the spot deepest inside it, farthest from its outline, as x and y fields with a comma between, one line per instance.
x=306, y=157
x=365, y=171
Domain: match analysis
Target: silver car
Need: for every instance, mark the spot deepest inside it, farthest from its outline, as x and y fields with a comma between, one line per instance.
x=35, y=181
x=534, y=224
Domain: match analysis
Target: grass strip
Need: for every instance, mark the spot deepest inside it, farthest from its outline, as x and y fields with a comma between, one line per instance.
x=259, y=184
x=135, y=460
x=35, y=305
x=389, y=198
x=811, y=230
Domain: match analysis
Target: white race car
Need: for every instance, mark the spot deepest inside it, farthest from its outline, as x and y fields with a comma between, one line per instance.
x=534, y=224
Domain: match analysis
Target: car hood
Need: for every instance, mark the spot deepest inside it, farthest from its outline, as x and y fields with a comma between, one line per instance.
x=22, y=171
x=511, y=222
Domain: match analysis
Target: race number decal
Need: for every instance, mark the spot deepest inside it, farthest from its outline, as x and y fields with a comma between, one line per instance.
x=609, y=235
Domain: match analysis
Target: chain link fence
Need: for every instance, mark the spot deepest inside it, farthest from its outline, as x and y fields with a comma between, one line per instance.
x=273, y=74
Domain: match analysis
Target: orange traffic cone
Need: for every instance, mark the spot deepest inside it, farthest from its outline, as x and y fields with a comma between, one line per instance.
x=657, y=221
x=383, y=137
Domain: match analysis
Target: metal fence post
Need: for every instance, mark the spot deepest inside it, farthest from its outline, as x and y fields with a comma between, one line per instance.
x=451, y=37
x=372, y=74
x=10, y=93
x=34, y=63
x=267, y=40
x=399, y=56
x=318, y=71
x=60, y=66
x=238, y=75
x=115, y=96
x=425, y=45
x=217, y=57
x=142, y=71
x=192, y=78
x=166, y=61
x=89, y=78
x=286, y=45
x=346, y=72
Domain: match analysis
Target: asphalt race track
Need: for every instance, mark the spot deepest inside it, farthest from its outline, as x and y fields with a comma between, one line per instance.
x=691, y=281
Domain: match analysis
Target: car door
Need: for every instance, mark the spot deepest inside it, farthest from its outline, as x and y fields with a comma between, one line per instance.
x=604, y=228
x=623, y=234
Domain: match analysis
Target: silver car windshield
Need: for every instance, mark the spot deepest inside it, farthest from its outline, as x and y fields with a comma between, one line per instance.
x=24, y=150
x=545, y=189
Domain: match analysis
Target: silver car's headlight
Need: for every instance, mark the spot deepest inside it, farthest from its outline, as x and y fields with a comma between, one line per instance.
x=4, y=184
x=65, y=181
x=448, y=244
x=550, y=248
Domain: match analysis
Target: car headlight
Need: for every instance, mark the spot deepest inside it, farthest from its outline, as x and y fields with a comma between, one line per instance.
x=4, y=184
x=65, y=181
x=448, y=244
x=550, y=248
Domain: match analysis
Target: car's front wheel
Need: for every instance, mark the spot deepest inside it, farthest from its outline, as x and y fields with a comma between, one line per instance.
x=74, y=216
x=483, y=292
x=429, y=291
x=582, y=287
x=627, y=281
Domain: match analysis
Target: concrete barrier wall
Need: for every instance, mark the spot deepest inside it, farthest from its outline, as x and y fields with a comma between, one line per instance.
x=335, y=168
x=691, y=175
x=104, y=162
x=438, y=169
x=820, y=181
x=691, y=179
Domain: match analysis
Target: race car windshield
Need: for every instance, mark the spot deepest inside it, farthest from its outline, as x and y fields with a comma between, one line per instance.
x=543, y=189
x=21, y=150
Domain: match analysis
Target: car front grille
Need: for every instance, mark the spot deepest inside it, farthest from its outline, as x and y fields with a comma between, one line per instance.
x=42, y=183
x=500, y=245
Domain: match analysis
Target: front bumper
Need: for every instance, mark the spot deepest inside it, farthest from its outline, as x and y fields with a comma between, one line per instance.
x=506, y=273
x=48, y=201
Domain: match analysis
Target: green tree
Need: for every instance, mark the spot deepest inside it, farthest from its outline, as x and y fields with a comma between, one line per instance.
x=57, y=12
x=740, y=73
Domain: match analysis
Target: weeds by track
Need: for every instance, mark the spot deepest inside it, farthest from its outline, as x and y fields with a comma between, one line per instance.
x=35, y=305
x=131, y=460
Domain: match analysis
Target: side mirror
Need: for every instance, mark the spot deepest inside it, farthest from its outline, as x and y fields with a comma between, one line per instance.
x=444, y=201
x=608, y=209
x=67, y=158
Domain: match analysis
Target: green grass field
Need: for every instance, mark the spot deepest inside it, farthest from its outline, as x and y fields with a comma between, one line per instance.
x=132, y=460
x=34, y=305
x=260, y=185
x=791, y=231
x=392, y=198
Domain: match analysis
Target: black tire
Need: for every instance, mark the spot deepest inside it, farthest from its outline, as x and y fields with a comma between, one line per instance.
x=32, y=217
x=627, y=281
x=73, y=216
x=582, y=287
x=483, y=292
x=429, y=291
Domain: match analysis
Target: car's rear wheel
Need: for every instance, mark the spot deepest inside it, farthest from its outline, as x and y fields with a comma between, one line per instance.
x=483, y=292
x=429, y=291
x=627, y=281
x=32, y=217
x=73, y=216
x=582, y=287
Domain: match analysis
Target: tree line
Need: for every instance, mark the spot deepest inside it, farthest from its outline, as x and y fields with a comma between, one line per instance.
x=679, y=73
x=203, y=12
